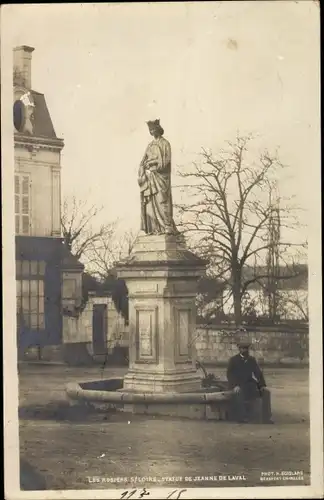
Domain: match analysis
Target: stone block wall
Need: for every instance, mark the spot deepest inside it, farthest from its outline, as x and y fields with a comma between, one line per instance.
x=276, y=345
x=79, y=329
x=117, y=329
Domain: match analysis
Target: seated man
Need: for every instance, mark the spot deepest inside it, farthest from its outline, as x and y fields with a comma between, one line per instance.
x=246, y=380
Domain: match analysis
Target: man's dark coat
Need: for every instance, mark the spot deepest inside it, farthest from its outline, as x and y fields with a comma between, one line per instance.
x=240, y=372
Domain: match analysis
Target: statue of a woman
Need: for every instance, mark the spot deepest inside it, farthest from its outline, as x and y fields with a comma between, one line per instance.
x=154, y=179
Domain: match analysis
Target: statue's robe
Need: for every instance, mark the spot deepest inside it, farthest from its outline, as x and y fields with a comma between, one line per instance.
x=155, y=188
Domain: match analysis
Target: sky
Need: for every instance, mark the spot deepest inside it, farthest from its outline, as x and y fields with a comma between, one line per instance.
x=207, y=69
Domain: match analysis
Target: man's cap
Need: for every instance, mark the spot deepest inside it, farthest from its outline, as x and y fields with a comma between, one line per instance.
x=243, y=343
x=242, y=338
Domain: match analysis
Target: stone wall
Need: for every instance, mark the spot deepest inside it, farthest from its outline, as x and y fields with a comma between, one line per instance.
x=276, y=345
x=79, y=329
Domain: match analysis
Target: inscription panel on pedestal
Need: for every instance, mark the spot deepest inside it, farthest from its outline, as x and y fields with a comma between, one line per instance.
x=146, y=335
x=183, y=329
x=142, y=289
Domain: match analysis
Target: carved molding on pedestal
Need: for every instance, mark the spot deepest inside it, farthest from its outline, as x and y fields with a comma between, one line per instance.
x=146, y=325
x=183, y=319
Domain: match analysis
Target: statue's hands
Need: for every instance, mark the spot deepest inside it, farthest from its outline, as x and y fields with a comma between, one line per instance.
x=141, y=174
x=151, y=163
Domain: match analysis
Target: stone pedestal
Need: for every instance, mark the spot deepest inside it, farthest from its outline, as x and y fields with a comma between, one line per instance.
x=161, y=275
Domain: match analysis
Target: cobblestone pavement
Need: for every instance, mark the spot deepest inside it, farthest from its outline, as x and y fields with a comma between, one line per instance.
x=93, y=451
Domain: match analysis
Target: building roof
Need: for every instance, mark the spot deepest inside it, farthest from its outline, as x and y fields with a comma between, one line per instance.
x=22, y=72
x=48, y=249
x=43, y=126
x=38, y=248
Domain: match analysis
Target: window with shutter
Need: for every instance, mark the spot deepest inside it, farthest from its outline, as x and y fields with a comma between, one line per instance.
x=25, y=224
x=17, y=224
x=25, y=185
x=17, y=204
x=17, y=184
x=22, y=204
x=25, y=205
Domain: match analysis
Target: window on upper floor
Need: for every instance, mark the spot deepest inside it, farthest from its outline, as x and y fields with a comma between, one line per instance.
x=22, y=204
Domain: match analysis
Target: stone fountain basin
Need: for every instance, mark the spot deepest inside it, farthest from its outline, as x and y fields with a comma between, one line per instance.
x=110, y=391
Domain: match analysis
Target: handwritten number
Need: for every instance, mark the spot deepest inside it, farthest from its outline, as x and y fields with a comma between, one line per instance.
x=126, y=495
x=175, y=491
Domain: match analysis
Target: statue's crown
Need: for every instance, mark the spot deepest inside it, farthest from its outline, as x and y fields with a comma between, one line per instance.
x=153, y=123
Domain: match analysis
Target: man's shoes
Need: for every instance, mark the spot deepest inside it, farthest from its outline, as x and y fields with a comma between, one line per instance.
x=243, y=421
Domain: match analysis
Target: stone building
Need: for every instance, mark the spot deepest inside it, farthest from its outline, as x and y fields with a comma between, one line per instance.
x=99, y=332
x=48, y=277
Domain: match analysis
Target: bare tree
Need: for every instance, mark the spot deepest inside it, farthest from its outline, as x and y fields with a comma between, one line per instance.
x=77, y=226
x=209, y=300
x=103, y=257
x=106, y=252
x=294, y=303
x=98, y=246
x=227, y=220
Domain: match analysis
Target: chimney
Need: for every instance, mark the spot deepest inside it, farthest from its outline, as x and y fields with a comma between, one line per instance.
x=22, y=65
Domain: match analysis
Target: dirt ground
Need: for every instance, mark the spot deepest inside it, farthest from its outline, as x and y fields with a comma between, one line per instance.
x=110, y=450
